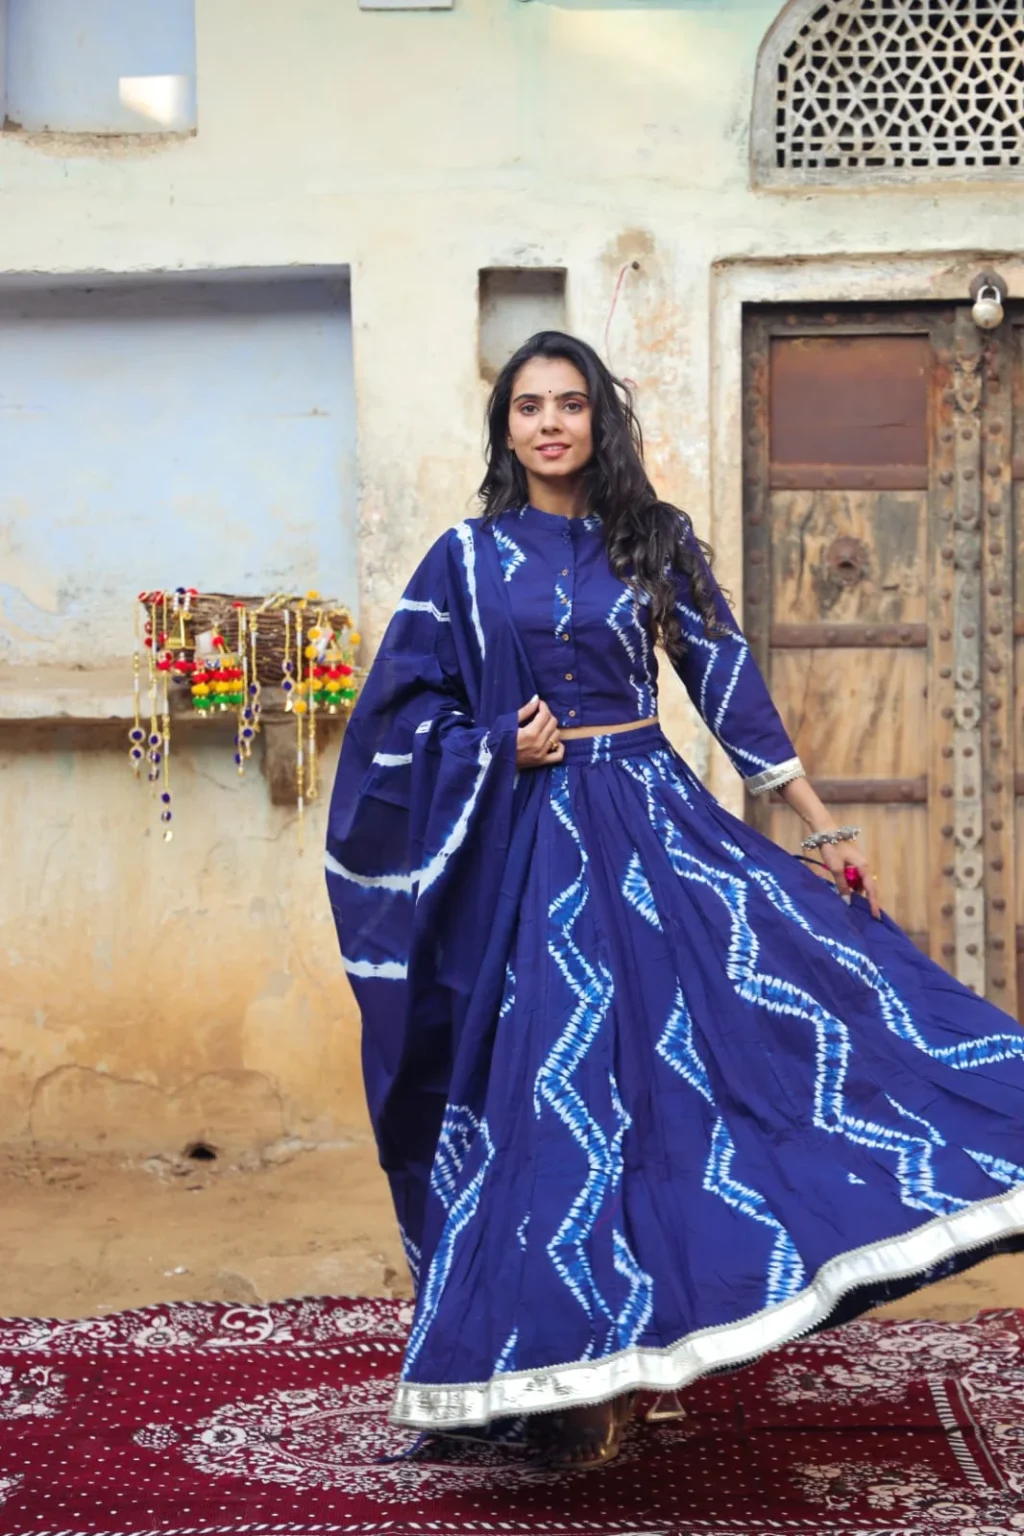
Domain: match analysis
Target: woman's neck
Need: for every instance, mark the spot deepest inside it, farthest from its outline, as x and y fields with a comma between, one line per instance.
x=564, y=498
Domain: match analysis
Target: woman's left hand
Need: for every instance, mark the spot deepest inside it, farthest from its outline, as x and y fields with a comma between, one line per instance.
x=799, y=795
x=838, y=857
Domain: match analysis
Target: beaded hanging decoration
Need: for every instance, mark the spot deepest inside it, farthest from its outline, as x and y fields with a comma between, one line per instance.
x=154, y=746
x=224, y=652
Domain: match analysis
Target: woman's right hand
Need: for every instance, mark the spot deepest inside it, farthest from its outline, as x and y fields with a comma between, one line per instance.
x=537, y=743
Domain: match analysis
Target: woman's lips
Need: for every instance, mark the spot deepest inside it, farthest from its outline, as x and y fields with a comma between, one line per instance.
x=553, y=450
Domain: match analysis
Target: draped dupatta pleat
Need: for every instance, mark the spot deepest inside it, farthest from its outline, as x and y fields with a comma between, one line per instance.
x=421, y=823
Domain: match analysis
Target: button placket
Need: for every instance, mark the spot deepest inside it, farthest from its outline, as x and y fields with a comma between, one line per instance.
x=566, y=579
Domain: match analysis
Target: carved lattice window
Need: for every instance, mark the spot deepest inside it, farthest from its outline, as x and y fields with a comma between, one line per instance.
x=891, y=90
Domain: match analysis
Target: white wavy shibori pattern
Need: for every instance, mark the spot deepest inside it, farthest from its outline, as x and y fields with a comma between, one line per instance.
x=729, y=653
x=636, y=888
x=411, y=882
x=423, y=605
x=592, y=987
x=509, y=553
x=625, y=622
x=461, y=1212
x=911, y=1155
x=458, y=1129
x=676, y=1047
x=465, y=537
x=981, y=1051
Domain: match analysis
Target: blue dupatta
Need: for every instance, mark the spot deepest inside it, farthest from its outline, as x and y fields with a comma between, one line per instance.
x=426, y=845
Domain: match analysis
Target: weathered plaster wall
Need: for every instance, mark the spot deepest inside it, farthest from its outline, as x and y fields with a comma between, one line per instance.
x=156, y=995
x=151, y=993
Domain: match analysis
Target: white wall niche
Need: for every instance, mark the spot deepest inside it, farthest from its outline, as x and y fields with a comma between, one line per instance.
x=515, y=303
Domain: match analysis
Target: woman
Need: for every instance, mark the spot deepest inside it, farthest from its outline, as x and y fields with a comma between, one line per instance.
x=651, y=1098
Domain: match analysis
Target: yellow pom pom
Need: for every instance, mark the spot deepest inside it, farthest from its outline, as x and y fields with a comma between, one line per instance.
x=310, y=652
x=314, y=634
x=300, y=706
x=311, y=597
x=355, y=637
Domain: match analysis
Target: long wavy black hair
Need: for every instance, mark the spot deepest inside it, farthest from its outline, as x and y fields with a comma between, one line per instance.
x=646, y=538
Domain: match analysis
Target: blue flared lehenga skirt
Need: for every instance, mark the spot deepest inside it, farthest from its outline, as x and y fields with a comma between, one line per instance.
x=720, y=1107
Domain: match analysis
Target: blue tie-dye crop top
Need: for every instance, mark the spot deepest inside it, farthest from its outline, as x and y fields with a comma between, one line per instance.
x=587, y=638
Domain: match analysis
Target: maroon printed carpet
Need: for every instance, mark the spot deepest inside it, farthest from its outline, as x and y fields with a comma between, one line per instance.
x=215, y=1420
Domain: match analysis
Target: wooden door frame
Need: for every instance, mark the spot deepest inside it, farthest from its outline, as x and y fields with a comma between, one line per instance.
x=796, y=280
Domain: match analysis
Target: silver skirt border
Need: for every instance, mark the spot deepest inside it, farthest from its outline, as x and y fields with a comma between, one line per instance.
x=674, y=1366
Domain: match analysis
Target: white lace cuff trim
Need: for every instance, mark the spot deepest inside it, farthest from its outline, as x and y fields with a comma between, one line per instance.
x=670, y=1368
x=775, y=777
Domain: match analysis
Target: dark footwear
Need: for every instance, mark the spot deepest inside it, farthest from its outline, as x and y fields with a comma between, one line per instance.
x=581, y=1438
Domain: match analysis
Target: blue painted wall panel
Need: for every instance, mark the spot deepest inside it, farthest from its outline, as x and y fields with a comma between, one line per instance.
x=66, y=60
x=193, y=433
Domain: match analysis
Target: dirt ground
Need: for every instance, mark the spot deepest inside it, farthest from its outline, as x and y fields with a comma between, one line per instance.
x=91, y=1237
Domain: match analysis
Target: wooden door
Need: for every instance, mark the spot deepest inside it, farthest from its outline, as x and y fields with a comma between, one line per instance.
x=1015, y=539
x=880, y=530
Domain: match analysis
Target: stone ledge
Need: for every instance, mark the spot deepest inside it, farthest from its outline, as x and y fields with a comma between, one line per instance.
x=66, y=694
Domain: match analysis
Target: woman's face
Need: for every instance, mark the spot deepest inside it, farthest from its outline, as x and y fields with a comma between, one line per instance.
x=550, y=427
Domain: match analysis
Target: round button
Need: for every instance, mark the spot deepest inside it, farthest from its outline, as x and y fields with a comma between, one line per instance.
x=566, y=639
x=565, y=570
x=568, y=677
x=572, y=714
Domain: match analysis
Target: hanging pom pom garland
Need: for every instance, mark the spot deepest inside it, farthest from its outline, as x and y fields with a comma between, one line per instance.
x=153, y=746
x=222, y=652
x=136, y=736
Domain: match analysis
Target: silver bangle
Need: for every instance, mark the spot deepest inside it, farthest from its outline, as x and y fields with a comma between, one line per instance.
x=840, y=835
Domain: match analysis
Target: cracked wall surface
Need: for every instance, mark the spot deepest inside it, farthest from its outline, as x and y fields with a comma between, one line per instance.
x=161, y=994
x=155, y=994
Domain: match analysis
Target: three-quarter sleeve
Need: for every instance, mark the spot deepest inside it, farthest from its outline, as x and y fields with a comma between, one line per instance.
x=727, y=688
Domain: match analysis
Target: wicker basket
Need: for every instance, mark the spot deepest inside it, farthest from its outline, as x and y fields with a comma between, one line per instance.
x=275, y=620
